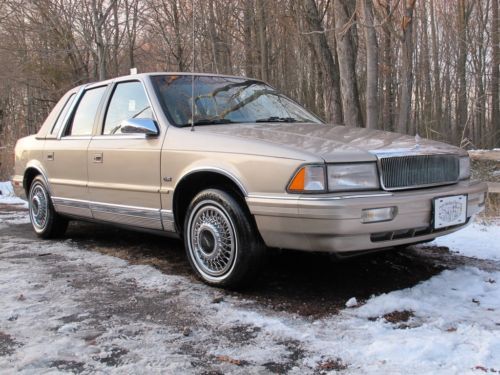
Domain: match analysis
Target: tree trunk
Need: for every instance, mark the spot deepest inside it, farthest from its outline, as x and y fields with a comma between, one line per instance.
x=495, y=76
x=406, y=68
x=438, y=99
x=248, y=16
x=347, y=64
x=99, y=18
x=388, y=112
x=328, y=65
x=461, y=109
x=179, y=47
x=372, y=104
x=425, y=73
x=116, y=40
x=263, y=46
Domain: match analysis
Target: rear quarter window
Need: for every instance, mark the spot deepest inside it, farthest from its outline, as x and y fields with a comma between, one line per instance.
x=61, y=116
x=50, y=121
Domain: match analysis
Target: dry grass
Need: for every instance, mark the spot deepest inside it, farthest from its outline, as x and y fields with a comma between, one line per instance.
x=492, y=210
x=6, y=163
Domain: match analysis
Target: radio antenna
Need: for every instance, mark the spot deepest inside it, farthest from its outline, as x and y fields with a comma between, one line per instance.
x=192, y=69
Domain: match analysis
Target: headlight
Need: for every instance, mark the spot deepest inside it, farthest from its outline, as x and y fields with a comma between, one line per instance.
x=464, y=168
x=308, y=179
x=362, y=176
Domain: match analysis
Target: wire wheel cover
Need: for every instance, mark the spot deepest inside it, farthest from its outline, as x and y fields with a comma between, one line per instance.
x=39, y=207
x=212, y=242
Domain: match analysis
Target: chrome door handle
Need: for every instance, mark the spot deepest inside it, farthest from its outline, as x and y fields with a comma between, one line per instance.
x=97, y=158
x=50, y=156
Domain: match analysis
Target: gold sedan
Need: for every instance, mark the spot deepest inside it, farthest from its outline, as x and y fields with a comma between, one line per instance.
x=232, y=166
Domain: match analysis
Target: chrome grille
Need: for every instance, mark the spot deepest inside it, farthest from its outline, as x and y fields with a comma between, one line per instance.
x=406, y=172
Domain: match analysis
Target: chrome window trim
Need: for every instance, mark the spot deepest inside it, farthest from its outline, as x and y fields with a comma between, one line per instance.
x=76, y=103
x=54, y=130
x=76, y=137
x=100, y=127
x=71, y=109
x=124, y=136
x=160, y=115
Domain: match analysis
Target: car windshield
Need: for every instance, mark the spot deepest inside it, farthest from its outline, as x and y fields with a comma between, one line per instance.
x=223, y=100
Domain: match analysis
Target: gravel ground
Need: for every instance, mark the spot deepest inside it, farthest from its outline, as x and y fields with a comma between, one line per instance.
x=108, y=300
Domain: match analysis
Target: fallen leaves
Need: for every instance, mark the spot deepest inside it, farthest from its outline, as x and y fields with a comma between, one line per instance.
x=331, y=364
x=227, y=359
x=398, y=316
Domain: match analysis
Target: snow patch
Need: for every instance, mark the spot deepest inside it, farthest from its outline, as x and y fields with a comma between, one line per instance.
x=477, y=240
x=352, y=302
x=7, y=195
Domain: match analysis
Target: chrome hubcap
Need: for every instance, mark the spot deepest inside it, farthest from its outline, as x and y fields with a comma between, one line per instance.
x=212, y=242
x=38, y=207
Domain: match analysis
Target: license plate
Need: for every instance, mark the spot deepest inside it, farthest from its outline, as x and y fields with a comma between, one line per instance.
x=450, y=211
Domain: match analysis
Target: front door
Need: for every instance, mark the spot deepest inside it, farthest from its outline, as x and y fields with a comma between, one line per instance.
x=124, y=168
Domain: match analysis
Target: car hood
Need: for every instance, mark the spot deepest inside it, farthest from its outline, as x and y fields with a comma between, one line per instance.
x=334, y=143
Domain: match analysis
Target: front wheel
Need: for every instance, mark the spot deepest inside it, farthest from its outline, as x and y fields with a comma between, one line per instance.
x=44, y=219
x=222, y=244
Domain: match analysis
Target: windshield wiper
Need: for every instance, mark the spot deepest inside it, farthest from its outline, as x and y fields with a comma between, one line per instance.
x=276, y=119
x=208, y=121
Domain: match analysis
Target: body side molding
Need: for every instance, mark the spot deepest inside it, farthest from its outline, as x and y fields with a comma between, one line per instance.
x=142, y=217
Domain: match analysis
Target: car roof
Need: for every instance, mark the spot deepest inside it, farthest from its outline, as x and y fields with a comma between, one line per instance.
x=141, y=75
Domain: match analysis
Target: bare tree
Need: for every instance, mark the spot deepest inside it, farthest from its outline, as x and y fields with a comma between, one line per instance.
x=347, y=63
x=100, y=16
x=325, y=56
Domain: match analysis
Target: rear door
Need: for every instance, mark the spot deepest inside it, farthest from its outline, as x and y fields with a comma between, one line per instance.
x=124, y=169
x=65, y=156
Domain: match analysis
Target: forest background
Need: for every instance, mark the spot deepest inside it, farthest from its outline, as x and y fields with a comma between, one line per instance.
x=427, y=67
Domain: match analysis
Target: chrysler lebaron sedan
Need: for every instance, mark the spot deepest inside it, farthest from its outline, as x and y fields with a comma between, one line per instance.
x=233, y=167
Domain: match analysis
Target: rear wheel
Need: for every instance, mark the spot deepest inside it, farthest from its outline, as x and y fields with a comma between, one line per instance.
x=222, y=244
x=44, y=219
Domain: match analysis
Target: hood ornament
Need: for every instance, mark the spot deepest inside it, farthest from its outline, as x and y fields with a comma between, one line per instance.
x=417, y=142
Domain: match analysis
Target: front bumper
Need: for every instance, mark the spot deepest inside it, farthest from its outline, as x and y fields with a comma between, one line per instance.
x=333, y=223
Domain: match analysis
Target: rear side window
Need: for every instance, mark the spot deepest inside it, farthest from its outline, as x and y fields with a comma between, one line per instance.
x=129, y=100
x=83, y=119
x=62, y=115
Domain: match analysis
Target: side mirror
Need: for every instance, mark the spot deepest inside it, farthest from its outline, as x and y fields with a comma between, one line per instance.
x=145, y=126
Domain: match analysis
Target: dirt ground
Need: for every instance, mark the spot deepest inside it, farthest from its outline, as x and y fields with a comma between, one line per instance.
x=309, y=284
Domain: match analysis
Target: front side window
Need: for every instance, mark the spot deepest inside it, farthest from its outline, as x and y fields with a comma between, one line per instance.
x=83, y=119
x=129, y=101
x=219, y=100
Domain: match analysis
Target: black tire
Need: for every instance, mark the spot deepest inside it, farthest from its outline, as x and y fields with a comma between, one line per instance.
x=222, y=244
x=46, y=222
